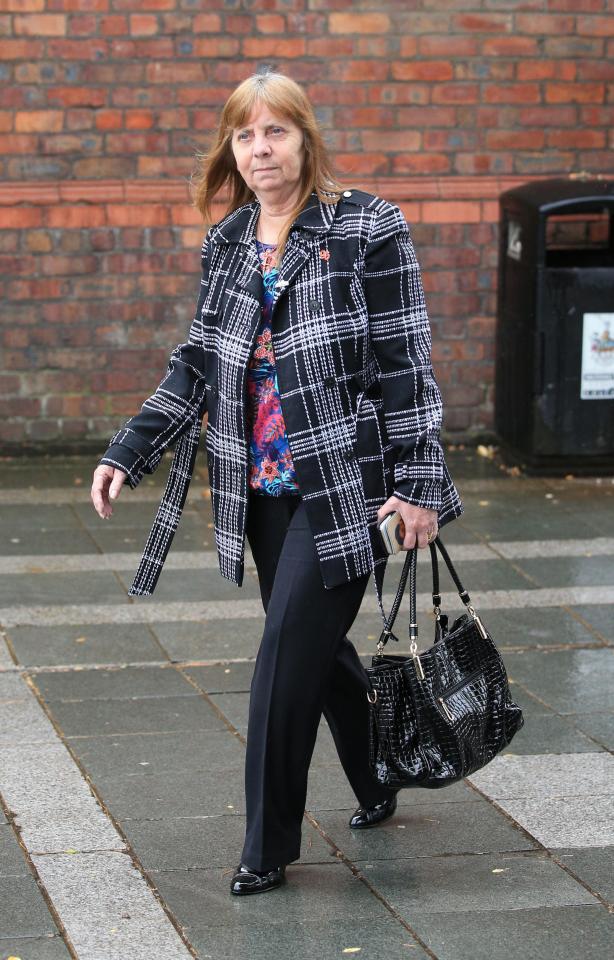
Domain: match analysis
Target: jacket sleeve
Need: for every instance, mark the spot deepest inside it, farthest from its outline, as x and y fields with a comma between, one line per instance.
x=401, y=340
x=139, y=445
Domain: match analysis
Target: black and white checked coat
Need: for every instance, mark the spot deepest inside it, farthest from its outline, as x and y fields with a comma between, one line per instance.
x=361, y=406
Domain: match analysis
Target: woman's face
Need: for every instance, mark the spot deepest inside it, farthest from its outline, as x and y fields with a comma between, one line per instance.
x=269, y=154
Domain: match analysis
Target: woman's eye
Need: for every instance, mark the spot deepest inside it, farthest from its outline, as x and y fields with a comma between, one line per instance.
x=244, y=135
x=277, y=130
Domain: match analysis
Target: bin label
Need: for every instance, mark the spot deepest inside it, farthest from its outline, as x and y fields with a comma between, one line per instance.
x=597, y=380
x=514, y=241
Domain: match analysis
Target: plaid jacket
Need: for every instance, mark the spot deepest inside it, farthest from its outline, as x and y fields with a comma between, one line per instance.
x=361, y=406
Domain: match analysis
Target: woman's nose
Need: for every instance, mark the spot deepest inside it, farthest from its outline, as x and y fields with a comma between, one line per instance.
x=261, y=145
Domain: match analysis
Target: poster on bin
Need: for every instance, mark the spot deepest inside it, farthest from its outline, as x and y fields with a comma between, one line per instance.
x=597, y=380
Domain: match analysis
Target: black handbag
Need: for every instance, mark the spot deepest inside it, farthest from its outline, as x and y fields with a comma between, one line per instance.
x=437, y=716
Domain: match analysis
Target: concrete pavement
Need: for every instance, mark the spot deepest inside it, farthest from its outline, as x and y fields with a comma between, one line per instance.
x=123, y=722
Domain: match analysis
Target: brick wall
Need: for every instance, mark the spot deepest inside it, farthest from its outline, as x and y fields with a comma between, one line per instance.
x=436, y=105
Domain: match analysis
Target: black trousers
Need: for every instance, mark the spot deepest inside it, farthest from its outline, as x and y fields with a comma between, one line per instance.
x=305, y=666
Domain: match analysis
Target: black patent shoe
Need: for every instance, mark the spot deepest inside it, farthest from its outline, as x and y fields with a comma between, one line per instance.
x=370, y=816
x=246, y=880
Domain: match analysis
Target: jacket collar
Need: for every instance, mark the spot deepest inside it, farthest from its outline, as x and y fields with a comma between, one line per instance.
x=240, y=226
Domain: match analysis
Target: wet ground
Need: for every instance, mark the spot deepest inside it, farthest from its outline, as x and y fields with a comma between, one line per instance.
x=123, y=724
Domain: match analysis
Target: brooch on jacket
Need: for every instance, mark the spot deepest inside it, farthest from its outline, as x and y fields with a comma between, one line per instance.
x=324, y=254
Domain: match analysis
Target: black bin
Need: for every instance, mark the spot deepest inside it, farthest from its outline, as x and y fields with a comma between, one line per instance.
x=554, y=390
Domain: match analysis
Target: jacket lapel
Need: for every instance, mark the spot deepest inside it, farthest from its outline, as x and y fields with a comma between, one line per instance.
x=240, y=229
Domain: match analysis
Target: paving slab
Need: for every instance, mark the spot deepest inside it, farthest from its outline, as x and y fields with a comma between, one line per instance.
x=214, y=639
x=328, y=891
x=12, y=858
x=70, y=832
x=306, y=939
x=572, y=571
x=534, y=934
x=41, y=948
x=235, y=706
x=223, y=677
x=551, y=626
x=601, y=617
x=456, y=884
x=13, y=687
x=568, y=681
x=598, y=726
x=107, y=908
x=548, y=733
x=162, y=754
x=569, y=821
x=61, y=588
x=188, y=793
x=20, y=723
x=46, y=543
x=83, y=644
x=119, y=683
x=593, y=865
x=145, y=715
x=547, y=776
x=23, y=911
x=427, y=831
x=192, y=585
x=188, y=843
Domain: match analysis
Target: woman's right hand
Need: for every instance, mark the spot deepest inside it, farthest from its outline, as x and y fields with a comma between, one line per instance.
x=106, y=486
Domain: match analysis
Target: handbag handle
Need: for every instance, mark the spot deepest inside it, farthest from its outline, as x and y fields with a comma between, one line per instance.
x=409, y=572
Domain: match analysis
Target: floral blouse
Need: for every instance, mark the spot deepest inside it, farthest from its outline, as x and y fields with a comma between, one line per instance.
x=270, y=462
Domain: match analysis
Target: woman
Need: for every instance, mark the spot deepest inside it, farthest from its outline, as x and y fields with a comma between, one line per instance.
x=310, y=352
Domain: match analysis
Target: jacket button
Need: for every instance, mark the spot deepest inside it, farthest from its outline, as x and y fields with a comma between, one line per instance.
x=329, y=381
x=348, y=454
x=314, y=306
x=347, y=193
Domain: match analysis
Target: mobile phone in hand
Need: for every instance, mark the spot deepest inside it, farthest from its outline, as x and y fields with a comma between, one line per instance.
x=392, y=530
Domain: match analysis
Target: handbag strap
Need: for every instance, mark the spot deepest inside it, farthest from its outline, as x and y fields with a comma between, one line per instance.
x=409, y=573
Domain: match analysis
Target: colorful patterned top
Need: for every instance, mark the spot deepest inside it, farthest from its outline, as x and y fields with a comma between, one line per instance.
x=270, y=461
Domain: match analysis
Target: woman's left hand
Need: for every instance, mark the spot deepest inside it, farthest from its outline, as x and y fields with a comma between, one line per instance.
x=418, y=522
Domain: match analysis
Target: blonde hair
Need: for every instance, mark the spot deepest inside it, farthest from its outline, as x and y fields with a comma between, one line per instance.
x=217, y=169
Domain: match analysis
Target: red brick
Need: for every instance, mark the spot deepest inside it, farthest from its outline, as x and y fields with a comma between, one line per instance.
x=69, y=217
x=510, y=47
x=513, y=93
x=446, y=211
x=21, y=217
x=577, y=139
x=76, y=96
x=392, y=141
x=362, y=163
x=215, y=47
x=358, y=70
x=595, y=26
x=270, y=23
x=442, y=45
x=82, y=26
x=409, y=47
x=515, y=139
x=33, y=121
x=143, y=24
x=113, y=26
x=330, y=47
x=575, y=92
x=456, y=93
x=422, y=70
x=277, y=47
x=547, y=24
x=21, y=49
x=359, y=23
x=482, y=23
x=40, y=24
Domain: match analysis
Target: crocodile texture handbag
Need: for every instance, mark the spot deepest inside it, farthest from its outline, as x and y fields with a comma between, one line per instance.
x=437, y=716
